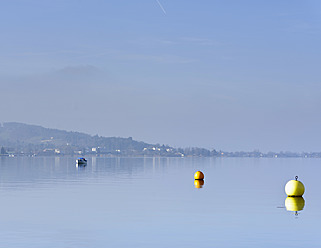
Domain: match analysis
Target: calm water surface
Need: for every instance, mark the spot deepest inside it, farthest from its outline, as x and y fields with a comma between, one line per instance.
x=152, y=202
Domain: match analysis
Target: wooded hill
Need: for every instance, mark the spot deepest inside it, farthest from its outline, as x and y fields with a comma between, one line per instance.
x=35, y=139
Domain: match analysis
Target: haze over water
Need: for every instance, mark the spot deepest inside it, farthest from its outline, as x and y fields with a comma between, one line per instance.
x=230, y=75
x=152, y=202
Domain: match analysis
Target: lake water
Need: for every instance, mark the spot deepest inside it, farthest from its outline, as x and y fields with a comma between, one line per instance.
x=152, y=202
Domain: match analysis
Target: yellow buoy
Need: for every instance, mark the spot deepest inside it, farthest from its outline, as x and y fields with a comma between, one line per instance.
x=198, y=175
x=294, y=204
x=294, y=188
x=198, y=183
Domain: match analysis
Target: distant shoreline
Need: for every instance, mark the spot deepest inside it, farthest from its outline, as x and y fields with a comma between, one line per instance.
x=120, y=156
x=19, y=139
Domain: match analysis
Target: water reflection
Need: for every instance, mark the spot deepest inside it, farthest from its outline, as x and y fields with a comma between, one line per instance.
x=198, y=184
x=81, y=166
x=93, y=162
x=294, y=204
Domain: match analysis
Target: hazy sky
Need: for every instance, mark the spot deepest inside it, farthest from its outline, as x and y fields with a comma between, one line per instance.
x=231, y=75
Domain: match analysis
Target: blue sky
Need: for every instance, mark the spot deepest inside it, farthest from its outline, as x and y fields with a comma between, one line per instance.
x=231, y=75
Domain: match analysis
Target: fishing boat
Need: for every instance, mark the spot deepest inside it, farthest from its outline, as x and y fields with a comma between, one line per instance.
x=81, y=162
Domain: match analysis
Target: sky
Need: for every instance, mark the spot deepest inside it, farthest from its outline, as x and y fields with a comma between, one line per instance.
x=227, y=75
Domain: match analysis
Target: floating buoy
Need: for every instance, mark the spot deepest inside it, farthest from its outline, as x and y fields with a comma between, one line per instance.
x=294, y=188
x=198, y=175
x=294, y=204
x=198, y=183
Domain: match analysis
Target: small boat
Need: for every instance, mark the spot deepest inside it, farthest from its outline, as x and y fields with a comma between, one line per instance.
x=81, y=162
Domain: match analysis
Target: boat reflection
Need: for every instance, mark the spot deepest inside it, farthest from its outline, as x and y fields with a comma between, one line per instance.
x=198, y=183
x=294, y=204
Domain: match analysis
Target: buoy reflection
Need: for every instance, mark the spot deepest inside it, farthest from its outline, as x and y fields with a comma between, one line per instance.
x=294, y=204
x=198, y=183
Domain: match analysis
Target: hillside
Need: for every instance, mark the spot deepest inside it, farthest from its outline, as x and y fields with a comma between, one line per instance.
x=32, y=139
